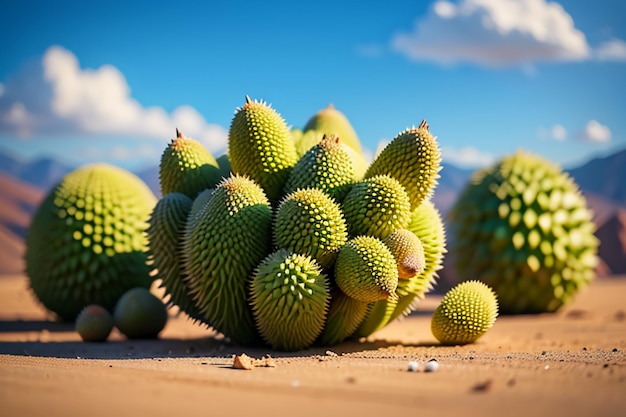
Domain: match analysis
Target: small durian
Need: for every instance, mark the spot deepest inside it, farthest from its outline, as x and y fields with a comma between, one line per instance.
x=310, y=222
x=94, y=323
x=414, y=159
x=260, y=146
x=139, y=314
x=330, y=121
x=366, y=270
x=86, y=243
x=187, y=167
x=344, y=316
x=376, y=206
x=408, y=251
x=465, y=313
x=230, y=238
x=289, y=298
x=522, y=226
x=165, y=234
x=326, y=166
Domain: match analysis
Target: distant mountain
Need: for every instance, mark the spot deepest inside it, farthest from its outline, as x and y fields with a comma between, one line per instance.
x=451, y=183
x=43, y=173
x=604, y=177
x=612, y=236
x=150, y=176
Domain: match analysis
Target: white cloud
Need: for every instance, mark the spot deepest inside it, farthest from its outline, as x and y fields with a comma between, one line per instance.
x=56, y=96
x=494, y=33
x=613, y=50
x=555, y=132
x=467, y=157
x=595, y=132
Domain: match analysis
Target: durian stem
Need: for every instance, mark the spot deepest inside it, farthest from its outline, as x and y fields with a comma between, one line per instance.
x=179, y=134
x=423, y=125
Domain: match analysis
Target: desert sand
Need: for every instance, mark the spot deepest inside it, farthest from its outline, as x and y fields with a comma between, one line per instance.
x=571, y=363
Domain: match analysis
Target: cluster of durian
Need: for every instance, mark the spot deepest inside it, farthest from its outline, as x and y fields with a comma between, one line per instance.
x=292, y=239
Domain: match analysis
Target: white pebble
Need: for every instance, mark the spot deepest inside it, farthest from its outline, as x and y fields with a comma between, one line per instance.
x=413, y=366
x=431, y=366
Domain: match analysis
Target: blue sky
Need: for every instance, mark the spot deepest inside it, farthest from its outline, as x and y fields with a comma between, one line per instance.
x=109, y=80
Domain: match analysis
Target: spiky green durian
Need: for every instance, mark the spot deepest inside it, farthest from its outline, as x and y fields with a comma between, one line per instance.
x=344, y=316
x=326, y=166
x=230, y=238
x=289, y=298
x=197, y=208
x=165, y=234
x=465, y=313
x=260, y=146
x=139, y=314
x=359, y=163
x=366, y=270
x=376, y=206
x=408, y=252
x=522, y=227
x=330, y=121
x=223, y=162
x=187, y=167
x=94, y=323
x=427, y=225
x=310, y=222
x=305, y=141
x=414, y=159
x=86, y=242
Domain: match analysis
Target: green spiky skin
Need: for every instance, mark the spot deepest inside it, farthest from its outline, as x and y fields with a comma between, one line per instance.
x=139, y=314
x=427, y=225
x=196, y=212
x=187, y=167
x=165, y=233
x=414, y=159
x=310, y=222
x=260, y=146
x=408, y=251
x=344, y=316
x=378, y=316
x=326, y=166
x=86, y=242
x=223, y=162
x=94, y=323
x=522, y=227
x=289, y=298
x=330, y=121
x=465, y=313
x=221, y=252
x=366, y=270
x=377, y=207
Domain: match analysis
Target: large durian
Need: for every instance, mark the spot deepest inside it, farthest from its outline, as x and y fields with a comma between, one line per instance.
x=187, y=167
x=86, y=244
x=330, y=121
x=414, y=159
x=289, y=298
x=260, y=146
x=231, y=236
x=522, y=227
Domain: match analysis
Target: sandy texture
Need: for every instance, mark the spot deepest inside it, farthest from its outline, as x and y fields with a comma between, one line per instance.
x=572, y=363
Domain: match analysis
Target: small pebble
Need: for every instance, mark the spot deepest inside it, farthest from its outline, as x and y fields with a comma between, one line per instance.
x=295, y=383
x=413, y=366
x=431, y=366
x=546, y=367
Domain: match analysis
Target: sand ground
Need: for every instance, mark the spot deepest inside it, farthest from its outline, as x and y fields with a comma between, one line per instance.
x=572, y=363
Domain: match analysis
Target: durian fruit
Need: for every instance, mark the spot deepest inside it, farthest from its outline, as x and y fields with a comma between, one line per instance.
x=165, y=234
x=223, y=162
x=260, y=146
x=414, y=159
x=187, y=167
x=330, y=121
x=427, y=225
x=305, y=141
x=196, y=212
x=310, y=222
x=376, y=206
x=408, y=251
x=139, y=314
x=522, y=227
x=94, y=323
x=326, y=166
x=86, y=243
x=344, y=316
x=465, y=313
x=220, y=253
x=366, y=270
x=289, y=298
